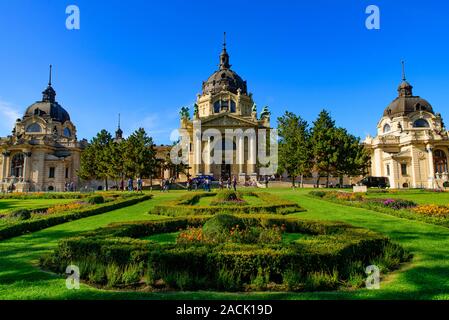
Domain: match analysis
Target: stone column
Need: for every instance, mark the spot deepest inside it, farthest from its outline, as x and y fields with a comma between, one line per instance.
x=252, y=161
x=26, y=165
x=4, y=164
x=431, y=167
x=207, y=159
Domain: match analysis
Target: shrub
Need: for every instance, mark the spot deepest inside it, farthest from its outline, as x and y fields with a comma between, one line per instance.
x=292, y=279
x=97, y=199
x=132, y=273
x=21, y=214
x=316, y=281
x=446, y=184
x=398, y=204
x=113, y=275
x=262, y=279
x=217, y=228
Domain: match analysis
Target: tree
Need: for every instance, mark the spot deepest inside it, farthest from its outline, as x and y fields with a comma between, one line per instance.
x=96, y=160
x=294, y=146
x=353, y=158
x=139, y=155
x=324, y=146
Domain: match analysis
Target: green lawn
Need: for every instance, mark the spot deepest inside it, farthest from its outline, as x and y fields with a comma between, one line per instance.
x=7, y=205
x=427, y=277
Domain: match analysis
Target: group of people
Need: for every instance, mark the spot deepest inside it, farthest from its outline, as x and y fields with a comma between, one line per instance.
x=130, y=185
x=69, y=187
x=230, y=184
x=166, y=183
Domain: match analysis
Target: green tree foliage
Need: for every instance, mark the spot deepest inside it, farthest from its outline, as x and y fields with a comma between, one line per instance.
x=325, y=147
x=95, y=160
x=106, y=159
x=295, y=155
x=139, y=155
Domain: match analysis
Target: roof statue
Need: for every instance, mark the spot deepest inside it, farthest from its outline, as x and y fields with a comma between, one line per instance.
x=185, y=113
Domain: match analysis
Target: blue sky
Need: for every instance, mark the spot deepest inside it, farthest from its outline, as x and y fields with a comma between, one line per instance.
x=147, y=59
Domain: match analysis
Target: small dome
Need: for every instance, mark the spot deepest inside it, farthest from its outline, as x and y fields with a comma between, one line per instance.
x=50, y=109
x=402, y=106
x=406, y=102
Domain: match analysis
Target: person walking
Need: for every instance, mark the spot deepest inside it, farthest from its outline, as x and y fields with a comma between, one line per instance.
x=234, y=183
x=139, y=185
x=221, y=183
x=130, y=184
x=266, y=182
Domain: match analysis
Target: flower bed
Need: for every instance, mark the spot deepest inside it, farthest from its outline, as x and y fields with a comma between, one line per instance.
x=229, y=253
x=38, y=221
x=431, y=213
x=188, y=205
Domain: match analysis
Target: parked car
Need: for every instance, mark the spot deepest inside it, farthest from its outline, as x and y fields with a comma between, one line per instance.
x=375, y=182
x=200, y=179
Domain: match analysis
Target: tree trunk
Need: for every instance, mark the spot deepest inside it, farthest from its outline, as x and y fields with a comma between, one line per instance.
x=327, y=180
x=318, y=180
x=302, y=181
x=341, y=181
x=106, y=184
x=293, y=181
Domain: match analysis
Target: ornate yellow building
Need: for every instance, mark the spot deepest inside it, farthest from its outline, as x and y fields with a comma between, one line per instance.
x=411, y=146
x=43, y=153
x=224, y=105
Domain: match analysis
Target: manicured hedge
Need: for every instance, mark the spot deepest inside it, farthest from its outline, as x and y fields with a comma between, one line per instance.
x=17, y=229
x=187, y=205
x=44, y=195
x=332, y=249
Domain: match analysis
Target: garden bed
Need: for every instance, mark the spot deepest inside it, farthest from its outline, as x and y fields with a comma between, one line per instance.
x=226, y=253
x=210, y=203
x=24, y=221
x=403, y=208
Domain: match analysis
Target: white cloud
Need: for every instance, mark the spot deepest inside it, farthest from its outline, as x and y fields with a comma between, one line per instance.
x=8, y=116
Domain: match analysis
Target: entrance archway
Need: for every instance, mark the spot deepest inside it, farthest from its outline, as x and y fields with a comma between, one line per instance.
x=17, y=163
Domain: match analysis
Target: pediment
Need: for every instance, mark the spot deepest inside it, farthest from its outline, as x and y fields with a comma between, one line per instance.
x=227, y=121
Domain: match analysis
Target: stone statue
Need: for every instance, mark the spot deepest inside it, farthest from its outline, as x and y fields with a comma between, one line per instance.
x=195, y=111
x=254, y=109
x=265, y=113
x=184, y=113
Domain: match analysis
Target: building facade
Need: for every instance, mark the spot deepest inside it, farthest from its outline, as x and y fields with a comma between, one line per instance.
x=411, y=146
x=42, y=153
x=224, y=105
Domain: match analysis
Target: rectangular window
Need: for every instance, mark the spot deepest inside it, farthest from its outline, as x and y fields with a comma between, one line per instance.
x=51, y=174
x=404, y=169
x=388, y=170
x=66, y=173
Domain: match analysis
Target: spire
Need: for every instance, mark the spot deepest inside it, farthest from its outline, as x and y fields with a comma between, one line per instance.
x=119, y=132
x=49, y=78
x=405, y=88
x=49, y=94
x=403, y=71
x=224, y=57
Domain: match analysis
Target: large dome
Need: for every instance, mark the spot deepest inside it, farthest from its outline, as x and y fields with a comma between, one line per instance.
x=224, y=79
x=406, y=102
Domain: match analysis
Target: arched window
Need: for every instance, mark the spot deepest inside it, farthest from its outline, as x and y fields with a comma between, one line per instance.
x=232, y=106
x=17, y=165
x=440, y=161
x=387, y=128
x=34, y=128
x=421, y=123
x=67, y=132
x=217, y=107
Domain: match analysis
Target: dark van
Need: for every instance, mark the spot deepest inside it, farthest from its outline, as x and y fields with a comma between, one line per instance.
x=376, y=182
